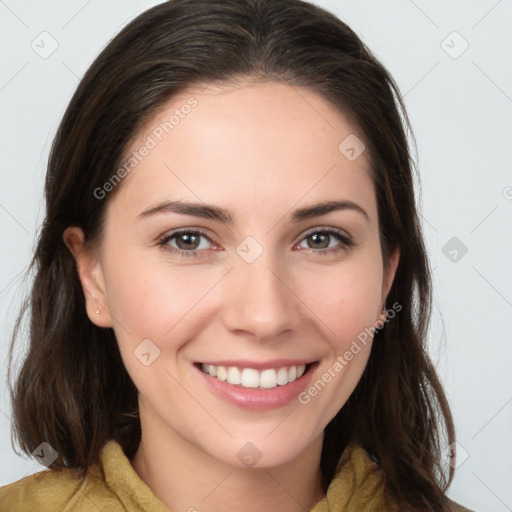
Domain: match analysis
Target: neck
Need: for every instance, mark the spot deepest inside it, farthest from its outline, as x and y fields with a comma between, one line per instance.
x=185, y=477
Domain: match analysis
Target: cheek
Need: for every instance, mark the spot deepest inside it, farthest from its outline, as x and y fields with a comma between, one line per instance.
x=140, y=302
x=347, y=302
x=150, y=310
x=346, y=298
x=149, y=300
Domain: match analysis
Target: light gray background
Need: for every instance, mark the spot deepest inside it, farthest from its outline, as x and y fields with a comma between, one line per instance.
x=460, y=105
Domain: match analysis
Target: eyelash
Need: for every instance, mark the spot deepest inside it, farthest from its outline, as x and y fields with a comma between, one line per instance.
x=346, y=241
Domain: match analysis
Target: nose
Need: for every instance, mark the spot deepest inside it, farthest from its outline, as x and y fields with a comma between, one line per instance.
x=259, y=301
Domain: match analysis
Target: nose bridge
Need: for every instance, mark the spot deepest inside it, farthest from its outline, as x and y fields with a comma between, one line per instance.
x=258, y=299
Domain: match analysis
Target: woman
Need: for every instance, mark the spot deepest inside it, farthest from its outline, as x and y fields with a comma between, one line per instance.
x=232, y=293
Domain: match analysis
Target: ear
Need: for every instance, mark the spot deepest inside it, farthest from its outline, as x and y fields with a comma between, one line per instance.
x=387, y=282
x=90, y=273
x=389, y=272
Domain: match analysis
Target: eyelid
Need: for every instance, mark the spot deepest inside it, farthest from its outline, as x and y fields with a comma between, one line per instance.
x=169, y=234
x=164, y=240
x=345, y=240
x=323, y=229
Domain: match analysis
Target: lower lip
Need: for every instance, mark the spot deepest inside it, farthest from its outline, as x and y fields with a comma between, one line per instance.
x=258, y=399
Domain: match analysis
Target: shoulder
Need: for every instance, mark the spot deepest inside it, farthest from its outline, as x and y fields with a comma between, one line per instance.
x=110, y=485
x=51, y=490
x=46, y=490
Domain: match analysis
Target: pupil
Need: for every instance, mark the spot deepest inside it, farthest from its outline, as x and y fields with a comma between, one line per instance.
x=189, y=241
x=324, y=242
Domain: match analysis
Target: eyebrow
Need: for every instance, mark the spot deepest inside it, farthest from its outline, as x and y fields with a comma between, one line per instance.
x=207, y=211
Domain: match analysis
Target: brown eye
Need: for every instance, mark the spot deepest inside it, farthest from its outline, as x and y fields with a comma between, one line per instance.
x=319, y=240
x=326, y=241
x=186, y=243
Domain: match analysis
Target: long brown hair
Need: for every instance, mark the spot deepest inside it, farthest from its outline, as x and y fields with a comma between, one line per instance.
x=72, y=390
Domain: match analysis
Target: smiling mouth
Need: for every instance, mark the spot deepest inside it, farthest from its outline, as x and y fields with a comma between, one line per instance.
x=252, y=378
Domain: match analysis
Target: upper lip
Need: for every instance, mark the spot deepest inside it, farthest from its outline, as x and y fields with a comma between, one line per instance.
x=259, y=365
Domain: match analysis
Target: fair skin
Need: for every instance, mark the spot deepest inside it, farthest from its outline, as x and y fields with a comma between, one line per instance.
x=259, y=151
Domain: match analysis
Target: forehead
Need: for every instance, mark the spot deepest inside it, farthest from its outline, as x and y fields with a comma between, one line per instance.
x=248, y=144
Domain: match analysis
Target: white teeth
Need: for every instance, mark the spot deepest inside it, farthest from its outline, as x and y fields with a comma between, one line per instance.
x=234, y=376
x=251, y=378
x=222, y=373
x=282, y=376
x=268, y=379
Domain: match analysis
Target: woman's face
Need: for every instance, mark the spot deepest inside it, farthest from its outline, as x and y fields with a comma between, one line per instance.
x=213, y=254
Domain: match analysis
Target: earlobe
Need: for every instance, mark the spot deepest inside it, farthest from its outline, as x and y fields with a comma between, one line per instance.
x=90, y=274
